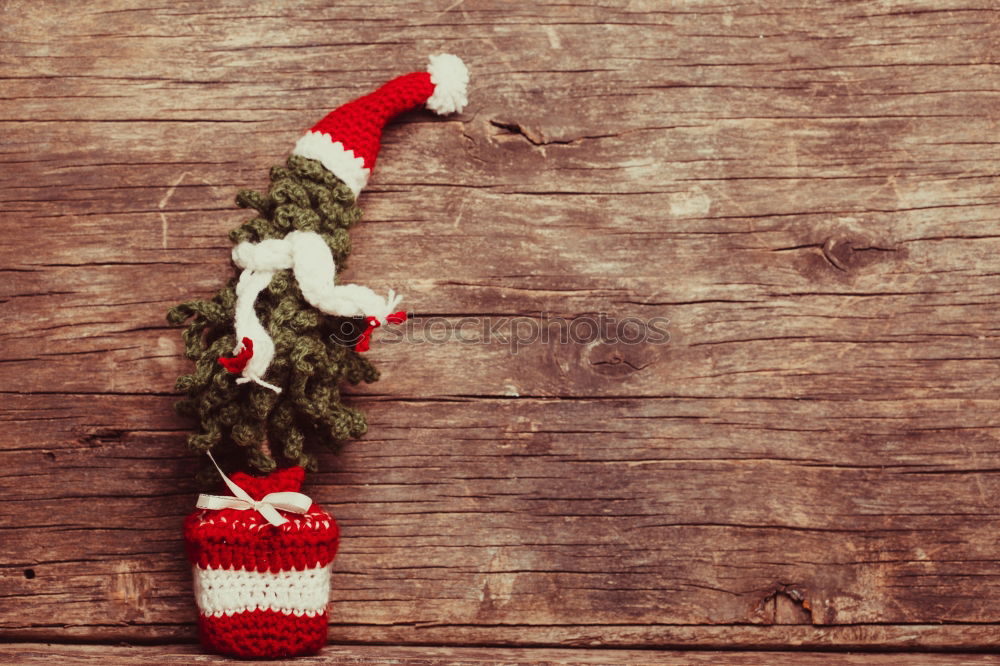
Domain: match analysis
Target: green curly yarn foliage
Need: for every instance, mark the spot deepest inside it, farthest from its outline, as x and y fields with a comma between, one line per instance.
x=249, y=425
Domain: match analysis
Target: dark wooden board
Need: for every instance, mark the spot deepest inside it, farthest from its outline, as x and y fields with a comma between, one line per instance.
x=806, y=191
x=37, y=653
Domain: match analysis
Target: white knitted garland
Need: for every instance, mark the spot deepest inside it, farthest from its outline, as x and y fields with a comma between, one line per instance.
x=311, y=261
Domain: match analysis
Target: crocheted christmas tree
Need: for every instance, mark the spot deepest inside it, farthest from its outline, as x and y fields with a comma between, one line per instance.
x=313, y=353
x=272, y=350
x=294, y=334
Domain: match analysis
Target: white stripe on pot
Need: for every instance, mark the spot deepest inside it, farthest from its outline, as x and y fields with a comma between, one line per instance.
x=229, y=591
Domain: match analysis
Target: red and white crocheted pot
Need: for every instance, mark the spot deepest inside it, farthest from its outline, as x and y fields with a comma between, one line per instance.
x=261, y=589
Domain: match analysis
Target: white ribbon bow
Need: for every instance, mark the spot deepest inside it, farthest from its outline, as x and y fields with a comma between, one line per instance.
x=267, y=507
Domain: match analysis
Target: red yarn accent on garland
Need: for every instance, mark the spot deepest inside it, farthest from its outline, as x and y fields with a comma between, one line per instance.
x=366, y=335
x=236, y=364
x=364, y=342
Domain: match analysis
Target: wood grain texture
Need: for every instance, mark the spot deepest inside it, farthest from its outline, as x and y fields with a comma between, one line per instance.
x=807, y=191
x=37, y=653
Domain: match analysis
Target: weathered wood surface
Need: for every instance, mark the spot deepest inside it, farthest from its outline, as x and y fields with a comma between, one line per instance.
x=807, y=191
x=37, y=653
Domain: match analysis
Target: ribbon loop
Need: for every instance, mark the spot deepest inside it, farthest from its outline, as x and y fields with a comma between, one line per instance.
x=267, y=506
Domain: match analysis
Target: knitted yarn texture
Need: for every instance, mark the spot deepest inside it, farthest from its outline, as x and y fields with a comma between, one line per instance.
x=347, y=139
x=261, y=589
x=312, y=264
x=271, y=350
x=290, y=357
x=308, y=359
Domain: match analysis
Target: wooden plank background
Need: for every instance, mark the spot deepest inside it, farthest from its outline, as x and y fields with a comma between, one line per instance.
x=807, y=191
x=106, y=655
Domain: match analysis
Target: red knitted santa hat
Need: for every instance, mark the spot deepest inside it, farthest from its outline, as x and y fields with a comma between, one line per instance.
x=347, y=140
